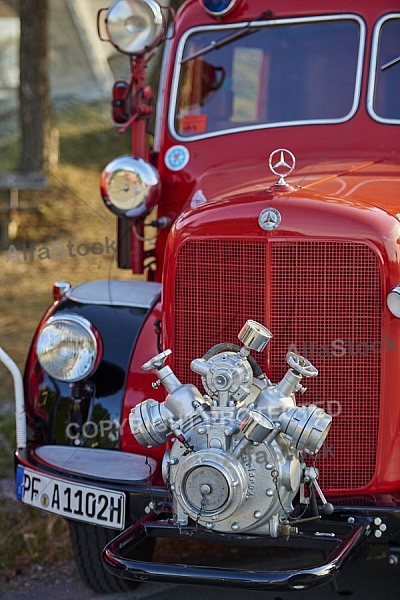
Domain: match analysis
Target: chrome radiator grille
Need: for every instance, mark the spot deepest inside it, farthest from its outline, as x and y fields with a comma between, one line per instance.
x=322, y=297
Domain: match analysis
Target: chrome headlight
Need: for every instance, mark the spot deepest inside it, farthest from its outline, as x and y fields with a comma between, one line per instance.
x=130, y=186
x=67, y=348
x=135, y=26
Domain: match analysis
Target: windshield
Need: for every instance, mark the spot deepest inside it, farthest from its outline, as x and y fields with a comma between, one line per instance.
x=384, y=92
x=283, y=73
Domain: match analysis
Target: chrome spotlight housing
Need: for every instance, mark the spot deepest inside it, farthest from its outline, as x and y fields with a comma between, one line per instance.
x=130, y=186
x=135, y=26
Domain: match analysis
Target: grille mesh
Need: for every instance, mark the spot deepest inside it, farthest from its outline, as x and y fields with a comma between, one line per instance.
x=321, y=297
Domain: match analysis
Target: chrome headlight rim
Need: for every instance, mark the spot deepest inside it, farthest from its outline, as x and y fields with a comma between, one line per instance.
x=147, y=181
x=92, y=360
x=155, y=25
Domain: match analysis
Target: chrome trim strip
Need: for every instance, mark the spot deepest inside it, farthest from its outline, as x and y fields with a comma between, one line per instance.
x=98, y=463
x=269, y=23
x=138, y=294
x=373, y=69
x=161, y=90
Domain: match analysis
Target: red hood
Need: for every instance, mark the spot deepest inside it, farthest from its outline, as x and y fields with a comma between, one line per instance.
x=360, y=181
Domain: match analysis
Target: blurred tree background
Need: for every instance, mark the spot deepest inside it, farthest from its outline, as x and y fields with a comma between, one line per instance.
x=39, y=138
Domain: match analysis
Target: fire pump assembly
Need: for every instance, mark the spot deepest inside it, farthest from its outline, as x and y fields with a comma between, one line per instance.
x=235, y=463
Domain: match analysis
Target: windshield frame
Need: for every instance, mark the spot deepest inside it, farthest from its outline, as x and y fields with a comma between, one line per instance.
x=255, y=25
x=374, y=68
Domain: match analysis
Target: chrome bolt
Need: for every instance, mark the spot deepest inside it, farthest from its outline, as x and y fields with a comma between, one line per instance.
x=299, y=587
x=377, y=521
x=378, y=533
x=257, y=514
x=270, y=492
x=351, y=520
x=269, y=466
x=392, y=560
x=382, y=527
x=220, y=380
x=150, y=507
x=235, y=526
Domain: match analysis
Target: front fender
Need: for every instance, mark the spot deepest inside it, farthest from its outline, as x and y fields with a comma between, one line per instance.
x=89, y=413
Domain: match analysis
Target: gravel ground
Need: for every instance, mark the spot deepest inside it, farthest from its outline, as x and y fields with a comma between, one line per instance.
x=35, y=577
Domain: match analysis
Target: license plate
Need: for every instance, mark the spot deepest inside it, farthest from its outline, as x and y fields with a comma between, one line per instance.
x=70, y=500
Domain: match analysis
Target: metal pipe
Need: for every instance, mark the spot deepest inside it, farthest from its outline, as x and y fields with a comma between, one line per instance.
x=20, y=415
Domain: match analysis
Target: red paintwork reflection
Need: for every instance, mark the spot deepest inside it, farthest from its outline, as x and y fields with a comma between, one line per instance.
x=138, y=385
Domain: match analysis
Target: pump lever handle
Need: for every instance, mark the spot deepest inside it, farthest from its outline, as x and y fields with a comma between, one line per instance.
x=157, y=362
x=327, y=507
x=312, y=475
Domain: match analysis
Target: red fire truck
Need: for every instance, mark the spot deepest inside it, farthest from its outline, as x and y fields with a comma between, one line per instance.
x=174, y=406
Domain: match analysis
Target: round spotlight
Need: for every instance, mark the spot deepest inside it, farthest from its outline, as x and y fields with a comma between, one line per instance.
x=218, y=8
x=135, y=26
x=130, y=186
x=393, y=301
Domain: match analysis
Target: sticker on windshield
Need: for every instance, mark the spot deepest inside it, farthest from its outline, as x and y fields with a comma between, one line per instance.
x=194, y=124
x=177, y=158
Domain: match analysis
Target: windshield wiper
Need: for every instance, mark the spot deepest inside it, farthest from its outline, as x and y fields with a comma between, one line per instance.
x=391, y=63
x=247, y=29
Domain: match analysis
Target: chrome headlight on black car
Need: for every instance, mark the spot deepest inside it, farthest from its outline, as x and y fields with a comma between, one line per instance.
x=67, y=348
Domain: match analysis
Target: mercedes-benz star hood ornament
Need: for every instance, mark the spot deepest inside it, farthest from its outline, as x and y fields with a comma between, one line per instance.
x=282, y=162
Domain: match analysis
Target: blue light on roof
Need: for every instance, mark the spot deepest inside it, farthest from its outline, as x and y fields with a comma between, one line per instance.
x=218, y=7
